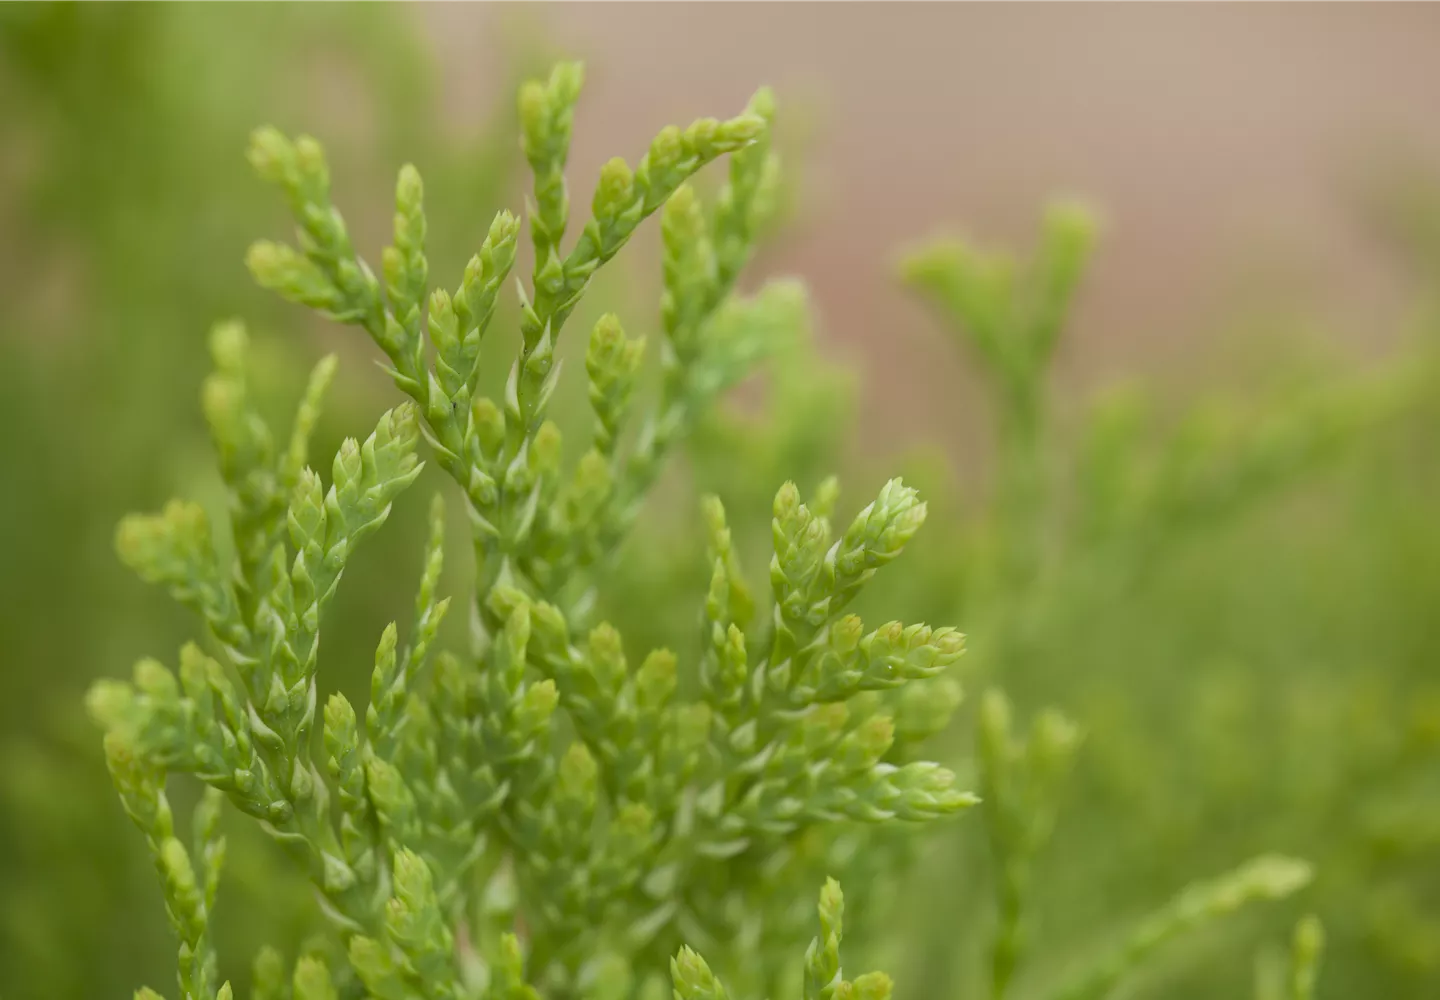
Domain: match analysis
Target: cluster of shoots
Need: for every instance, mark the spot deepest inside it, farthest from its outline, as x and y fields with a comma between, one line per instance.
x=545, y=811
x=549, y=811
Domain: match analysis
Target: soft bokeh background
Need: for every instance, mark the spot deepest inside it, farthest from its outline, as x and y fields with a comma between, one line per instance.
x=1228, y=148
x=1253, y=663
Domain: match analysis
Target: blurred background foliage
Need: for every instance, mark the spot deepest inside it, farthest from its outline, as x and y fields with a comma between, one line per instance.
x=1232, y=590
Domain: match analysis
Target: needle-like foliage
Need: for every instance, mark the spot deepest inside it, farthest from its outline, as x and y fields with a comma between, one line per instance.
x=546, y=810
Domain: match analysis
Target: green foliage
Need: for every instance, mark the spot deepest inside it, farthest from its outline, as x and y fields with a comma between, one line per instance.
x=823, y=976
x=1018, y=781
x=519, y=813
x=1126, y=486
x=1293, y=977
x=189, y=895
x=125, y=209
x=1078, y=528
x=1263, y=878
x=1231, y=691
x=1012, y=317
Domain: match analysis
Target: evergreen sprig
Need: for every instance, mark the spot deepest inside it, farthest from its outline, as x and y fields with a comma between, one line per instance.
x=1020, y=781
x=1264, y=878
x=541, y=814
x=1127, y=489
x=1293, y=976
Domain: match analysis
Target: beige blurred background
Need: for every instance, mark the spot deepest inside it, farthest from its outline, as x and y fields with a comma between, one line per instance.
x=1229, y=147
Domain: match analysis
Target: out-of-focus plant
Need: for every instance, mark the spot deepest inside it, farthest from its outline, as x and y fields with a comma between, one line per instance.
x=1083, y=527
x=1292, y=976
x=1129, y=485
